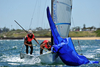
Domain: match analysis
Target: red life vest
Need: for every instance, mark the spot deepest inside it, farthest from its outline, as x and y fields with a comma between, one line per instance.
x=46, y=42
x=30, y=39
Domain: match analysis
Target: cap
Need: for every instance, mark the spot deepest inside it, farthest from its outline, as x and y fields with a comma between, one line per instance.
x=30, y=31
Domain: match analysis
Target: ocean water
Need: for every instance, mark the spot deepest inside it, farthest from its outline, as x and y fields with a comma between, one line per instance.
x=10, y=53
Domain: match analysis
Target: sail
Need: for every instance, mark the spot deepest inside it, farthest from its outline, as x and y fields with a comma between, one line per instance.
x=56, y=36
x=64, y=47
x=62, y=16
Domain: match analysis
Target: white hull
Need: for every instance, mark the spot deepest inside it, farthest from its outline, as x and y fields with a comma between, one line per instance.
x=48, y=58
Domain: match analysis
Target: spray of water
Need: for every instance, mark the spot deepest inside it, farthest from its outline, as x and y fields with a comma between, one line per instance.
x=32, y=61
x=15, y=60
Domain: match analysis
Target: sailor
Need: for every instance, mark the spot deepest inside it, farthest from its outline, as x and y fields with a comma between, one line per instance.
x=27, y=41
x=45, y=44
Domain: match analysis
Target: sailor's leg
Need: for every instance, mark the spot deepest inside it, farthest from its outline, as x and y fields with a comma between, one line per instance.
x=41, y=51
x=26, y=49
x=31, y=49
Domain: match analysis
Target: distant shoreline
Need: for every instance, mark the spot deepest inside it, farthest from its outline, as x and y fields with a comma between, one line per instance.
x=12, y=38
x=85, y=38
x=75, y=38
x=48, y=38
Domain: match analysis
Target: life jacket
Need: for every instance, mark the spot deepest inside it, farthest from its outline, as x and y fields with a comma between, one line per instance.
x=46, y=42
x=30, y=39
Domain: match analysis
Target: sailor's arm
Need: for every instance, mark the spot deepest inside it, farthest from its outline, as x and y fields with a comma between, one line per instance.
x=42, y=46
x=26, y=43
x=48, y=45
x=36, y=40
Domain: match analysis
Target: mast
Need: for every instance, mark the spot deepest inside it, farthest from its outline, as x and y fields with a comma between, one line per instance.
x=52, y=18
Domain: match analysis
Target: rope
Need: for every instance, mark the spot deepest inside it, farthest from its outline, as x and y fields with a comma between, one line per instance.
x=39, y=13
x=22, y=49
x=38, y=5
x=33, y=14
x=43, y=13
x=77, y=38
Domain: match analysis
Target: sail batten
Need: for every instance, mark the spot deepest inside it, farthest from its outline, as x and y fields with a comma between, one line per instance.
x=63, y=23
x=65, y=4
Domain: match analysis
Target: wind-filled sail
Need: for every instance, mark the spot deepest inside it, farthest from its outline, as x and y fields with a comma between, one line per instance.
x=62, y=16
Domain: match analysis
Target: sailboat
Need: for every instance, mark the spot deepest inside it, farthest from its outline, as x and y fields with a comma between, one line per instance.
x=62, y=50
x=56, y=6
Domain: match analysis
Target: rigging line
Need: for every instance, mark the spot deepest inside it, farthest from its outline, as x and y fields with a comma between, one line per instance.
x=73, y=22
x=44, y=12
x=77, y=38
x=38, y=13
x=33, y=14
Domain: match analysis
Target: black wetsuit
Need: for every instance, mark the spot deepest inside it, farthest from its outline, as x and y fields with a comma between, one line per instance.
x=41, y=50
x=31, y=47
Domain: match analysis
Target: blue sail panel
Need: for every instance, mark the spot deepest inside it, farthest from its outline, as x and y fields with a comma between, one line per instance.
x=65, y=48
x=56, y=36
x=69, y=56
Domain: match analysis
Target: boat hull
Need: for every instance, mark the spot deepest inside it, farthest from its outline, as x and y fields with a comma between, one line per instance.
x=47, y=58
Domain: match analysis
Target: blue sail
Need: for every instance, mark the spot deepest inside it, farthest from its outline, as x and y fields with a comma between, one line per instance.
x=65, y=48
x=56, y=35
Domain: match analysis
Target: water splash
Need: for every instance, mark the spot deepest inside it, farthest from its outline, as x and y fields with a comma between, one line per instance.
x=32, y=61
x=11, y=58
x=15, y=60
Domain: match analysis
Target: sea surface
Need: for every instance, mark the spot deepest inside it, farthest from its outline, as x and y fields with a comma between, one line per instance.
x=10, y=53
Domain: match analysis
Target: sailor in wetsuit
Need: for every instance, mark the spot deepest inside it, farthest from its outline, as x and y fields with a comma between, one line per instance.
x=45, y=44
x=30, y=36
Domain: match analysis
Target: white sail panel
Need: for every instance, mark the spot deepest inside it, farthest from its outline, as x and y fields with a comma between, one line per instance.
x=62, y=16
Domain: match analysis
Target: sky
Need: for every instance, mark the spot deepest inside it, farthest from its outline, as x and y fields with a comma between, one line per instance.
x=32, y=13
